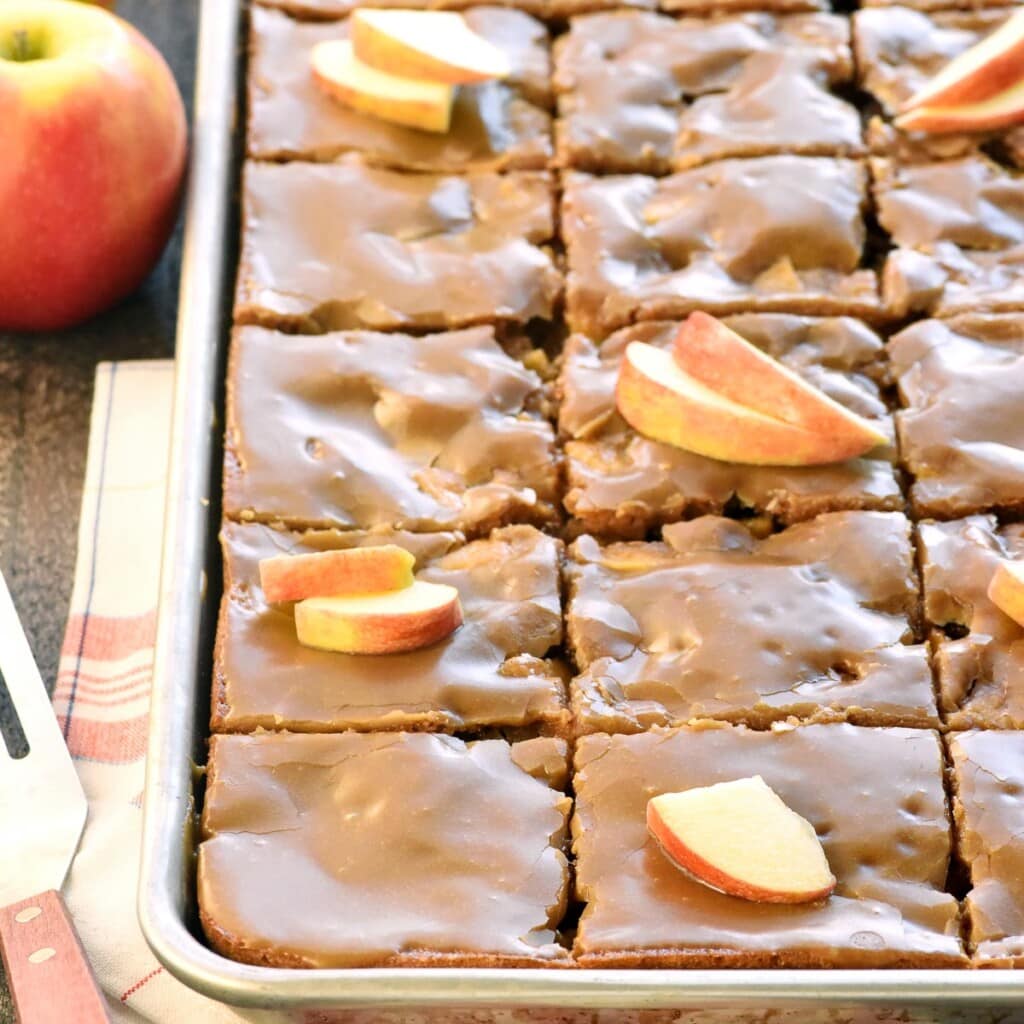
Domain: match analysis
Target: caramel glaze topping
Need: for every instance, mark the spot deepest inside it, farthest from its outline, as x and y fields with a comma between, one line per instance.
x=989, y=781
x=495, y=125
x=385, y=849
x=962, y=431
x=780, y=233
x=372, y=430
x=344, y=245
x=816, y=621
x=959, y=229
x=622, y=484
x=875, y=798
x=979, y=651
x=492, y=671
x=623, y=81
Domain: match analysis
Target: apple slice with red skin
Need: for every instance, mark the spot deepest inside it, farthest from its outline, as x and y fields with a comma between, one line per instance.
x=741, y=839
x=367, y=90
x=434, y=46
x=1006, y=590
x=664, y=403
x=388, y=623
x=1003, y=110
x=990, y=67
x=729, y=365
x=336, y=573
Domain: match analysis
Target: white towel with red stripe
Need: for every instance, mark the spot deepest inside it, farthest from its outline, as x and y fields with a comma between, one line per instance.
x=102, y=701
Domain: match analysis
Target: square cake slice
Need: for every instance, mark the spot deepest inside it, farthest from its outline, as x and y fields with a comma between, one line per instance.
x=816, y=622
x=874, y=797
x=495, y=125
x=961, y=430
x=774, y=234
x=366, y=430
x=899, y=50
x=988, y=781
x=621, y=484
x=378, y=849
x=979, y=651
x=958, y=228
x=345, y=245
x=639, y=91
x=495, y=670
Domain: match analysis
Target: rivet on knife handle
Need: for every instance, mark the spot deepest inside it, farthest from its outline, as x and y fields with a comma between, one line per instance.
x=46, y=965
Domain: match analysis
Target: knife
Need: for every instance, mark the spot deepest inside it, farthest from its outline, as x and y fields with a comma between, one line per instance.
x=42, y=814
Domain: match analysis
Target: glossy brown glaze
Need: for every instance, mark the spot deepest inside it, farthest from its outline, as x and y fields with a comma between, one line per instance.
x=360, y=850
x=979, y=651
x=958, y=228
x=782, y=233
x=875, y=798
x=817, y=622
x=492, y=671
x=369, y=430
x=639, y=91
x=341, y=246
x=622, y=484
x=495, y=126
x=962, y=428
x=988, y=782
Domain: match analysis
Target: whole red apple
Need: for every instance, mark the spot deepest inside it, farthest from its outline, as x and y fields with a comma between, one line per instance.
x=94, y=144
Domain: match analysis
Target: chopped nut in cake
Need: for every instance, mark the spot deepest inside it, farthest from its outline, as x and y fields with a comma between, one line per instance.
x=961, y=430
x=817, y=622
x=345, y=245
x=622, y=484
x=365, y=430
x=495, y=670
x=979, y=650
x=874, y=797
x=781, y=233
x=395, y=849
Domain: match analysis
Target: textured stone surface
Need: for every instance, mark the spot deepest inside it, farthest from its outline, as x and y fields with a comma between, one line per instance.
x=45, y=397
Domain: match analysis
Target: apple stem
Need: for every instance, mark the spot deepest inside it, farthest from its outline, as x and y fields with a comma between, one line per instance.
x=21, y=50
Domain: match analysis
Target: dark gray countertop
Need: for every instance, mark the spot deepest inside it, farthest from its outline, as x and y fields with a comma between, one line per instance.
x=45, y=398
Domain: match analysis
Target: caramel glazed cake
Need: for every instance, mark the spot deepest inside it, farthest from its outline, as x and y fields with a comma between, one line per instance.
x=428, y=330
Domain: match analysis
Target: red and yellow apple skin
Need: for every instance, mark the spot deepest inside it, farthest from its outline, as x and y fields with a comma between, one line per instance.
x=94, y=142
x=1002, y=110
x=742, y=840
x=1006, y=590
x=336, y=573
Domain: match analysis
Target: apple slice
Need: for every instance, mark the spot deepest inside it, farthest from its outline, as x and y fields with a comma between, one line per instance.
x=416, y=104
x=988, y=68
x=1000, y=111
x=658, y=399
x=336, y=573
x=1006, y=590
x=436, y=46
x=741, y=839
x=718, y=357
x=388, y=623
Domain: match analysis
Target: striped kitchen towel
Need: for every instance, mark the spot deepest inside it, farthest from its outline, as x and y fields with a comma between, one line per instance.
x=102, y=701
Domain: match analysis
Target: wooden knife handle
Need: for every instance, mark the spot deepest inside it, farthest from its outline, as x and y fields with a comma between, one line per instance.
x=49, y=975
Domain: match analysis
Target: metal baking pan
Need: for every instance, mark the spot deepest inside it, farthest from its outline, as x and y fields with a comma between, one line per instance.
x=190, y=591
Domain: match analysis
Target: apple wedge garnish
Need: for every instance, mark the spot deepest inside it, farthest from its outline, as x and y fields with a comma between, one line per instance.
x=988, y=68
x=407, y=101
x=387, y=623
x=1006, y=590
x=730, y=366
x=999, y=111
x=336, y=573
x=741, y=839
x=656, y=398
x=436, y=46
